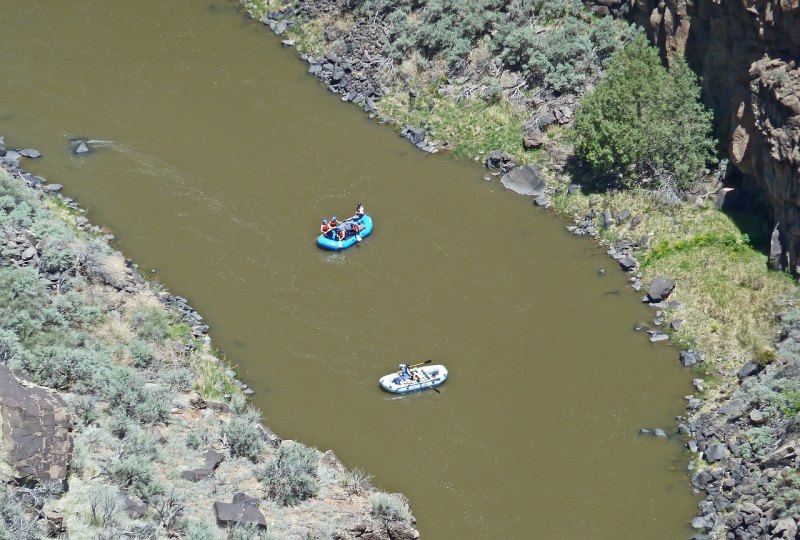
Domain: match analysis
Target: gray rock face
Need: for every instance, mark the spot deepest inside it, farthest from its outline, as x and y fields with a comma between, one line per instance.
x=734, y=409
x=775, y=261
x=716, y=452
x=627, y=263
x=232, y=514
x=525, y=180
x=750, y=368
x=36, y=442
x=691, y=357
x=30, y=153
x=660, y=289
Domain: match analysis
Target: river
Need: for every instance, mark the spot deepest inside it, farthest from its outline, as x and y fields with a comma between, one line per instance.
x=222, y=155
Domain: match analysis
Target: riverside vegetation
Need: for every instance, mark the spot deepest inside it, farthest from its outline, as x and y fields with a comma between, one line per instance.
x=165, y=444
x=626, y=148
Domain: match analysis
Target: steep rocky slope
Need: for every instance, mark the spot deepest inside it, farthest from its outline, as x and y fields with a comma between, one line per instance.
x=746, y=52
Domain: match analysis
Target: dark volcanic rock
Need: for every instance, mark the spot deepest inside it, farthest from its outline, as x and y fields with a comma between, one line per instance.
x=232, y=514
x=691, y=357
x=660, y=288
x=628, y=263
x=37, y=431
x=525, y=180
x=716, y=452
x=747, y=370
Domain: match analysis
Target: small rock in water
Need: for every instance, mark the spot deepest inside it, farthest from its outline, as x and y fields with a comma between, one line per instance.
x=30, y=153
x=658, y=337
x=660, y=433
x=82, y=148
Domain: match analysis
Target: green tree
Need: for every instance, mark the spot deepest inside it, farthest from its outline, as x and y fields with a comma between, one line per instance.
x=643, y=121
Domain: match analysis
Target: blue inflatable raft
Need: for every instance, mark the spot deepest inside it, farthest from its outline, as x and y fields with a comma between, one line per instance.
x=337, y=245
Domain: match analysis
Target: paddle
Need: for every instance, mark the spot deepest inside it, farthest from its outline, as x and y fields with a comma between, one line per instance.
x=421, y=364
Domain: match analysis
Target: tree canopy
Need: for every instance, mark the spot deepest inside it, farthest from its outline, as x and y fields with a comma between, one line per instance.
x=645, y=122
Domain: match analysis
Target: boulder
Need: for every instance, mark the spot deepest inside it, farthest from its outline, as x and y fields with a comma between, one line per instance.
x=716, y=452
x=623, y=215
x=525, y=180
x=784, y=454
x=660, y=288
x=401, y=531
x=533, y=139
x=195, y=475
x=734, y=409
x=784, y=528
x=757, y=417
x=2, y=146
x=628, y=263
x=36, y=443
x=233, y=514
x=30, y=153
x=691, y=357
x=747, y=370
x=417, y=135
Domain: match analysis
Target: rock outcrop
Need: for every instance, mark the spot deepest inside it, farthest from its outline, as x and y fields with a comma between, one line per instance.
x=36, y=435
x=747, y=53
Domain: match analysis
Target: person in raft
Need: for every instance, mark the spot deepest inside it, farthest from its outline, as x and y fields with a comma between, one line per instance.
x=341, y=234
x=326, y=229
x=351, y=228
x=359, y=213
x=335, y=223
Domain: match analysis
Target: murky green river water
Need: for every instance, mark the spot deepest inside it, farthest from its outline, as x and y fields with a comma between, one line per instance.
x=223, y=157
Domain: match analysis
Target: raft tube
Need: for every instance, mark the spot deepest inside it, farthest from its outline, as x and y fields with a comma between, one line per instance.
x=338, y=245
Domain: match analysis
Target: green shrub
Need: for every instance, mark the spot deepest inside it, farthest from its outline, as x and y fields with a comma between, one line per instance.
x=105, y=506
x=23, y=299
x=291, y=476
x=198, y=530
x=126, y=393
x=760, y=441
x=179, y=378
x=14, y=523
x=151, y=324
x=10, y=348
x=245, y=531
x=120, y=425
x=785, y=491
x=389, y=507
x=356, y=481
x=72, y=307
x=242, y=435
x=138, y=442
x=83, y=410
x=141, y=353
x=644, y=122
x=137, y=473
x=80, y=370
x=57, y=257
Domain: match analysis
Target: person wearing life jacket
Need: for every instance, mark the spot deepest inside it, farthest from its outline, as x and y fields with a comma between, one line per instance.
x=325, y=229
x=341, y=234
x=351, y=228
x=334, y=222
x=359, y=213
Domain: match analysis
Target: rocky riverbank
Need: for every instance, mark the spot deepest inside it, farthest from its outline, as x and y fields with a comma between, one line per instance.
x=735, y=323
x=118, y=418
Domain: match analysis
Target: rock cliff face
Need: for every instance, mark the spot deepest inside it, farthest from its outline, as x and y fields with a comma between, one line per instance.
x=748, y=55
